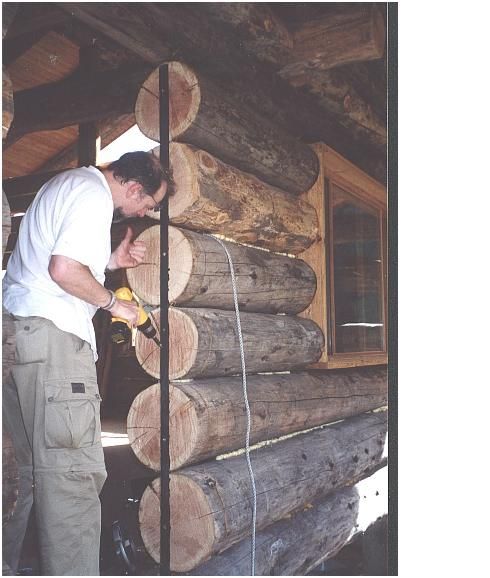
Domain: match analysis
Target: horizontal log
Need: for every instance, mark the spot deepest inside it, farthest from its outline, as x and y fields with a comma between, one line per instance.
x=204, y=343
x=199, y=275
x=317, y=53
x=80, y=98
x=207, y=46
x=347, y=33
x=214, y=197
x=260, y=31
x=295, y=546
x=211, y=505
x=211, y=196
x=339, y=96
x=351, y=33
x=208, y=416
x=210, y=118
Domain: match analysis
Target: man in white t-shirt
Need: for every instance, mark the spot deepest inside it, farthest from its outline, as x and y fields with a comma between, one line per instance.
x=53, y=286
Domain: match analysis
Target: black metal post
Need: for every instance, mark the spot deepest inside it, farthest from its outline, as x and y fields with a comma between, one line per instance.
x=164, y=378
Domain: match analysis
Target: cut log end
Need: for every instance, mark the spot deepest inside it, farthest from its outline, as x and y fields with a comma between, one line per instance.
x=184, y=338
x=185, y=99
x=143, y=426
x=184, y=175
x=147, y=351
x=142, y=279
x=192, y=526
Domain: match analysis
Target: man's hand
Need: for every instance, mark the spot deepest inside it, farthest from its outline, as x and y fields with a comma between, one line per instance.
x=126, y=310
x=128, y=254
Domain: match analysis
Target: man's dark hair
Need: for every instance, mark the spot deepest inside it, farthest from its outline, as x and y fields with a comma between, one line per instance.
x=143, y=168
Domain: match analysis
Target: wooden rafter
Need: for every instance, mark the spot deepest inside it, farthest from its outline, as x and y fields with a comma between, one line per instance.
x=77, y=99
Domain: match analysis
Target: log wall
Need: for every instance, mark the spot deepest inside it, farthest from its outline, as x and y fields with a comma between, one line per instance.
x=296, y=545
x=239, y=176
x=216, y=197
x=208, y=416
x=210, y=503
x=199, y=275
x=205, y=343
x=212, y=119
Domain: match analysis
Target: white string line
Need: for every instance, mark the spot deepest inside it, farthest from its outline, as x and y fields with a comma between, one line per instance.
x=245, y=395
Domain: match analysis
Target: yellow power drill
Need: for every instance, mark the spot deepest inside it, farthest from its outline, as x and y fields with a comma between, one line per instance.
x=121, y=329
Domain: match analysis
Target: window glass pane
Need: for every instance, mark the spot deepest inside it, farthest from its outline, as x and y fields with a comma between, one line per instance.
x=357, y=274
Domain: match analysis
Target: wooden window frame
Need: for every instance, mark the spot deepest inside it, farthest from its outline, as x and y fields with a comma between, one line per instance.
x=337, y=170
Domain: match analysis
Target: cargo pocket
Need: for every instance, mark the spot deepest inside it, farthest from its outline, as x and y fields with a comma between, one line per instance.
x=31, y=340
x=72, y=414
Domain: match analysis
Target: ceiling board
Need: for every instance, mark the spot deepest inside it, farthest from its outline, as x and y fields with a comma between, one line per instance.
x=51, y=59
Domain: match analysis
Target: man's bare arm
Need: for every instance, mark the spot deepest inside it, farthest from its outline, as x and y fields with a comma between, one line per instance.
x=77, y=280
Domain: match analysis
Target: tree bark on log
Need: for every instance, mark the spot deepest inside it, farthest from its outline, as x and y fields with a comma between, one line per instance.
x=7, y=102
x=208, y=416
x=296, y=546
x=211, y=505
x=204, y=343
x=210, y=118
x=199, y=275
x=213, y=197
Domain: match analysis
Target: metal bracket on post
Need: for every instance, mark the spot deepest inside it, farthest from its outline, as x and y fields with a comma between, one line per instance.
x=164, y=336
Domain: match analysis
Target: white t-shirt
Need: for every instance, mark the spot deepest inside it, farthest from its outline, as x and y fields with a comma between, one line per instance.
x=71, y=215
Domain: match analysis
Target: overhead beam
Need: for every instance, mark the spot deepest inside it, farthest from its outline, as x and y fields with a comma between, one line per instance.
x=126, y=24
x=109, y=130
x=163, y=31
x=77, y=99
x=339, y=96
x=110, y=54
x=261, y=31
x=311, y=56
x=352, y=32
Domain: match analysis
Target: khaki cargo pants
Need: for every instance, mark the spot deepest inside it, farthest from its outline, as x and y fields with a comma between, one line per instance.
x=51, y=408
